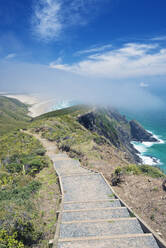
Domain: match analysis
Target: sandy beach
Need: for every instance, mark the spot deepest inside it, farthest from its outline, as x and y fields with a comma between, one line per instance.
x=37, y=107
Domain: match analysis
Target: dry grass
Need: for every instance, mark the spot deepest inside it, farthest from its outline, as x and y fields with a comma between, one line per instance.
x=47, y=202
x=147, y=198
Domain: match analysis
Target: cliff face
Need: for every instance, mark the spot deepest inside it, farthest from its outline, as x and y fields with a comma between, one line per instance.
x=77, y=128
x=115, y=128
x=138, y=133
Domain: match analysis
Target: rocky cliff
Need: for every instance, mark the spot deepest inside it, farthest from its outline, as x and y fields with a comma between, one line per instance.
x=138, y=133
x=117, y=129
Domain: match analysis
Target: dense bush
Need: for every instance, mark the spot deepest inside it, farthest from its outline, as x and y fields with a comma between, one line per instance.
x=151, y=171
x=25, y=229
x=9, y=241
x=21, y=153
x=140, y=169
x=18, y=192
x=21, y=158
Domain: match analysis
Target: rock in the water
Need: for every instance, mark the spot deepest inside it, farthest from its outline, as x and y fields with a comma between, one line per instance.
x=138, y=133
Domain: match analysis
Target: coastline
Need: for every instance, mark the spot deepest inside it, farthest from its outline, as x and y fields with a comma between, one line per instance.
x=37, y=105
x=142, y=148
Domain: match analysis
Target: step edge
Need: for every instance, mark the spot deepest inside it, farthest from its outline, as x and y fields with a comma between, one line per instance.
x=93, y=209
x=99, y=220
x=121, y=236
x=94, y=201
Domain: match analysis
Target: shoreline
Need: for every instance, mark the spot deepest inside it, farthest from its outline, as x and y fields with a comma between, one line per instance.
x=142, y=147
x=37, y=105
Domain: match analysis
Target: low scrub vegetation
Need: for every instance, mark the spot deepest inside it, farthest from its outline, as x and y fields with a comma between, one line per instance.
x=22, y=158
x=63, y=127
x=13, y=114
x=140, y=169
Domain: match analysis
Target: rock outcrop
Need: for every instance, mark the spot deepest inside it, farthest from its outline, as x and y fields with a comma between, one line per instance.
x=117, y=130
x=138, y=133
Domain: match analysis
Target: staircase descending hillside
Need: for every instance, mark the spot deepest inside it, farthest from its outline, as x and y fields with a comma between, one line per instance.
x=90, y=215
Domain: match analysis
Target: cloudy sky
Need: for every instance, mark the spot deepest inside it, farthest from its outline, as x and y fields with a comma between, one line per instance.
x=100, y=49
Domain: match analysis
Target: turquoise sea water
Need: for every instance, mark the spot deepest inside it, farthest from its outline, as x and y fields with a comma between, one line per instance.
x=155, y=122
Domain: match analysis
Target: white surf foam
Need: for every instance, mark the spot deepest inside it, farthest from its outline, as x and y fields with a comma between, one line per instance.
x=63, y=104
x=157, y=137
x=142, y=148
x=149, y=160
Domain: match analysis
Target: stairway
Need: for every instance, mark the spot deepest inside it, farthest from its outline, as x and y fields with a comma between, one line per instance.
x=90, y=215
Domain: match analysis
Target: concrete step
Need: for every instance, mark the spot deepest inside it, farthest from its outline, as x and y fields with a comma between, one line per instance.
x=51, y=148
x=86, y=188
x=68, y=166
x=92, y=204
x=100, y=228
x=57, y=157
x=92, y=214
x=119, y=241
x=77, y=173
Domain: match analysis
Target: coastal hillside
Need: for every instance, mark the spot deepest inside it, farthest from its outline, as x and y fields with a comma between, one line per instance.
x=99, y=138
x=82, y=131
x=13, y=114
x=27, y=214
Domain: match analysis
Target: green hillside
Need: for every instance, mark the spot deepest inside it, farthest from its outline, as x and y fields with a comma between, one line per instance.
x=99, y=138
x=13, y=114
x=83, y=131
x=26, y=174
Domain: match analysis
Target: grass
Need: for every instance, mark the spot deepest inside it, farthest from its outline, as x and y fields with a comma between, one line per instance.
x=25, y=174
x=68, y=133
x=140, y=169
x=21, y=153
x=13, y=114
x=63, y=112
x=47, y=201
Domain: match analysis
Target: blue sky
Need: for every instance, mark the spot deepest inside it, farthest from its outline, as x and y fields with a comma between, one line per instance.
x=67, y=42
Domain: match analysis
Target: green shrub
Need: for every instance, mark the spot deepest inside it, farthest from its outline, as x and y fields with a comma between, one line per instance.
x=9, y=241
x=19, y=193
x=151, y=171
x=14, y=167
x=118, y=170
x=132, y=168
x=140, y=169
x=5, y=178
x=26, y=232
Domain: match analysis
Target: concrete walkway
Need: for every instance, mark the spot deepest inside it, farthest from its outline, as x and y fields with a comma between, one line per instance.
x=90, y=215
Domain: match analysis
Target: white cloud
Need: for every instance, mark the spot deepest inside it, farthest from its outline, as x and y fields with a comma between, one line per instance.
x=94, y=49
x=32, y=78
x=52, y=17
x=159, y=38
x=144, y=85
x=131, y=60
x=10, y=56
x=46, y=20
x=56, y=62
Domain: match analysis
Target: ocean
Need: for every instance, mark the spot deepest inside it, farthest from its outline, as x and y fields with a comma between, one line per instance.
x=153, y=121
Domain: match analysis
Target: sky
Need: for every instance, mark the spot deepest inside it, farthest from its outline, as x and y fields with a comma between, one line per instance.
x=104, y=51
